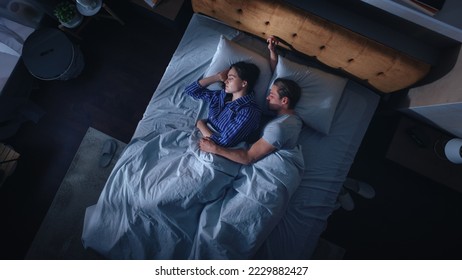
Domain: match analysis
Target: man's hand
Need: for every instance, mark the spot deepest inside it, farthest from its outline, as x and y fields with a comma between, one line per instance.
x=207, y=145
x=272, y=43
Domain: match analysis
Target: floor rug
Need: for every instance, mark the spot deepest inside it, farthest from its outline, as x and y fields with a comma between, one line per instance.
x=59, y=234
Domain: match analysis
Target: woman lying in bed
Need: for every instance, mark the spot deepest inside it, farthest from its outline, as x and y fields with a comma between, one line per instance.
x=233, y=113
x=149, y=204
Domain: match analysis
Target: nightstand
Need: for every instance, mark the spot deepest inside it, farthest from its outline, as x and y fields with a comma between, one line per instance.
x=8, y=161
x=168, y=12
x=101, y=11
x=419, y=147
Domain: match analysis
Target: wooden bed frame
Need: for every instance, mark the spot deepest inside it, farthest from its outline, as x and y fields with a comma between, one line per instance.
x=382, y=67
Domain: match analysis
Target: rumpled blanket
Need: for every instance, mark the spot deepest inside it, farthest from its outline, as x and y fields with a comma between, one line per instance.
x=166, y=199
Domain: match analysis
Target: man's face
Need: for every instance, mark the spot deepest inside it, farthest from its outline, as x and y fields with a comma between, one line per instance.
x=233, y=83
x=274, y=101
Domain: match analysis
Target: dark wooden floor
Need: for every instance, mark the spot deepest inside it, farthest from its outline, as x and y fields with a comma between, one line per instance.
x=411, y=217
x=124, y=64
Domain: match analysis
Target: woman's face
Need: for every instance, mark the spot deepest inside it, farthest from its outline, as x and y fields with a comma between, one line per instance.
x=233, y=83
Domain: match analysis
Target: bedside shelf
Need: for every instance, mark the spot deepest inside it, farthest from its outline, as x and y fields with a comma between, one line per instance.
x=433, y=23
x=419, y=147
x=169, y=9
x=8, y=161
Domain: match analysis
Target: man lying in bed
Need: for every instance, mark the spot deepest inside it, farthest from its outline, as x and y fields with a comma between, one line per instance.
x=281, y=133
x=233, y=113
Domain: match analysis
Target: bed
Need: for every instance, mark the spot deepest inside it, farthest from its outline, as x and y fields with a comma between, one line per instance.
x=165, y=199
x=12, y=36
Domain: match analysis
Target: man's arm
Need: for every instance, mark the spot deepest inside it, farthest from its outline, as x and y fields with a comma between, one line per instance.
x=272, y=43
x=257, y=151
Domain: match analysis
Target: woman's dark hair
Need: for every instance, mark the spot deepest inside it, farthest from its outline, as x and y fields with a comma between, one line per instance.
x=248, y=72
x=289, y=89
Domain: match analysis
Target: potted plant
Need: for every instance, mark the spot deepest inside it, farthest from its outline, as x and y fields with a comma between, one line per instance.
x=67, y=14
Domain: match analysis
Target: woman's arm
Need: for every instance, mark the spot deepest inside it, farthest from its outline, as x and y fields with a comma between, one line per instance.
x=198, y=89
x=202, y=126
x=219, y=77
x=237, y=128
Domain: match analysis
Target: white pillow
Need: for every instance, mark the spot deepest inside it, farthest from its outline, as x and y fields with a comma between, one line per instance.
x=321, y=92
x=228, y=53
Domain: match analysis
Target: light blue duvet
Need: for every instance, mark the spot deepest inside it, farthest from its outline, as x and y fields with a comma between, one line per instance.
x=166, y=199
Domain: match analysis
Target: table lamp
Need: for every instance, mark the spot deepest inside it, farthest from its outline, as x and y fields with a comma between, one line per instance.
x=89, y=7
x=453, y=150
x=88, y=4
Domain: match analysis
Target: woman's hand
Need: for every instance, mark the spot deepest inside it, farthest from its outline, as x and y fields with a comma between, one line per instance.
x=219, y=77
x=207, y=145
x=202, y=126
x=223, y=75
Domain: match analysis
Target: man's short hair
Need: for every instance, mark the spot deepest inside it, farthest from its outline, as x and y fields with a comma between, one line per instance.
x=290, y=89
x=248, y=72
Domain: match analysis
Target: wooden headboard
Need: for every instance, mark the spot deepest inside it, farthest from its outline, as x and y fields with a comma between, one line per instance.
x=384, y=68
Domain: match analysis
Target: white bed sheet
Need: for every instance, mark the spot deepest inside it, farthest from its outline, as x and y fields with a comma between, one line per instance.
x=12, y=36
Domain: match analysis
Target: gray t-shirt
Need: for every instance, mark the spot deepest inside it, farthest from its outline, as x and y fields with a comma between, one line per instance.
x=282, y=132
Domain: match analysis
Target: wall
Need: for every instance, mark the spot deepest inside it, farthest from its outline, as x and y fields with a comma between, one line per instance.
x=439, y=102
x=438, y=99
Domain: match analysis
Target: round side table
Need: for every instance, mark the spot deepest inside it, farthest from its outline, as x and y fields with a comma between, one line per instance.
x=49, y=55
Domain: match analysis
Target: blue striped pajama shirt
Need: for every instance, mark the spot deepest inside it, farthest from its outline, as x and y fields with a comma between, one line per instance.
x=234, y=121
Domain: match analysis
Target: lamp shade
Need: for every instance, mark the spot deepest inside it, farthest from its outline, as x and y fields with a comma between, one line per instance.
x=453, y=150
